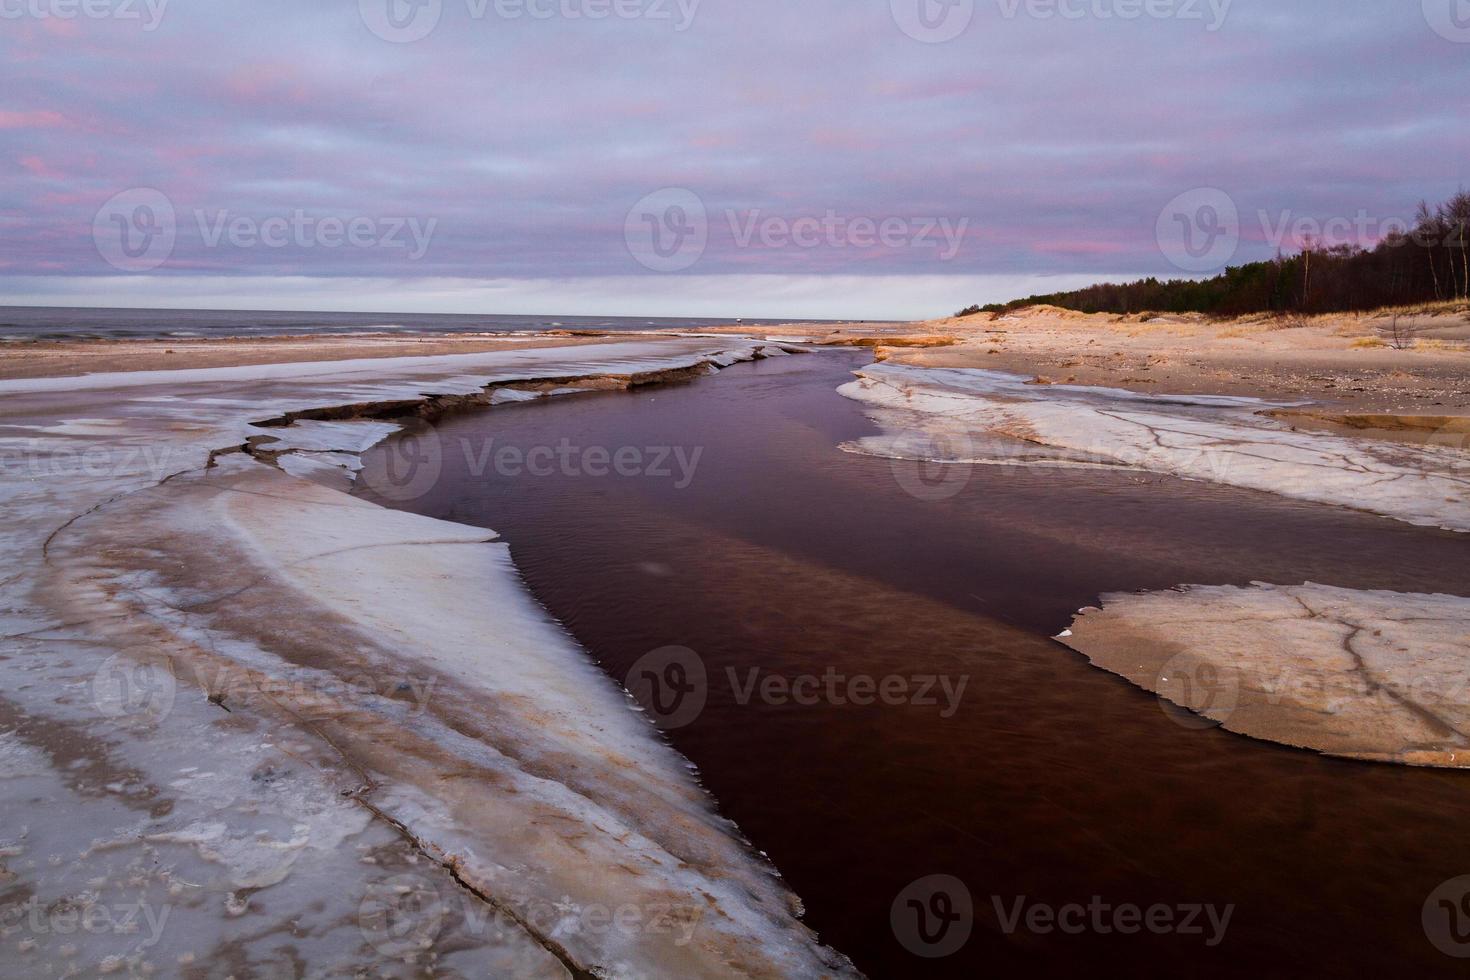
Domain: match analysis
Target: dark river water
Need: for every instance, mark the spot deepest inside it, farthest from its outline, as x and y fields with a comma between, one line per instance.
x=825, y=619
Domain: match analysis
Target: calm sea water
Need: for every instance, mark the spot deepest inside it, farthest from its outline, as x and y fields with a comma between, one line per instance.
x=63, y=323
x=743, y=535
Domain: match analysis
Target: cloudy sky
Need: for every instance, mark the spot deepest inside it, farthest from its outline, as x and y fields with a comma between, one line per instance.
x=857, y=158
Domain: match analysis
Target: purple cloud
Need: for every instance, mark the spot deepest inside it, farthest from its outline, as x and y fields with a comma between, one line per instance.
x=525, y=140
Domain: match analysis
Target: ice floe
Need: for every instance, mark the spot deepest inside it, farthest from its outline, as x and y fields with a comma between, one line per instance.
x=977, y=416
x=1372, y=675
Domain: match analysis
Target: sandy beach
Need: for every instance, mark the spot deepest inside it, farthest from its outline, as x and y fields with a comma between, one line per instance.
x=212, y=602
x=1340, y=360
x=1335, y=359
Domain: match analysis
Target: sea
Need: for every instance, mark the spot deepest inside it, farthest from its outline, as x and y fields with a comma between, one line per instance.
x=35, y=323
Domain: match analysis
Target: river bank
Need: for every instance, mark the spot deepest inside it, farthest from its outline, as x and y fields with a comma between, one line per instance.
x=295, y=726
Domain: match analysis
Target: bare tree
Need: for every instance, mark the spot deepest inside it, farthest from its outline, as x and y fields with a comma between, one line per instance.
x=1424, y=227
x=1460, y=208
x=1307, y=273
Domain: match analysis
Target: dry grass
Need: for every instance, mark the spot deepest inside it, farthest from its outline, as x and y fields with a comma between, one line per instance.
x=1156, y=327
x=1444, y=308
x=929, y=341
x=1352, y=328
x=1289, y=321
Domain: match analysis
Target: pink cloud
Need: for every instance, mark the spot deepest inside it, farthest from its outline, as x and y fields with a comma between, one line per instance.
x=843, y=139
x=1080, y=247
x=67, y=200
x=58, y=27
x=37, y=167
x=35, y=119
x=268, y=83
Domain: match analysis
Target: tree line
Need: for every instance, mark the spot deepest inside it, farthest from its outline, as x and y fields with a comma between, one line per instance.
x=1426, y=264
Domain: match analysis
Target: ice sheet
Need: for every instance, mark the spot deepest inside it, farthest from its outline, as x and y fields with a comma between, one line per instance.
x=1370, y=675
x=989, y=416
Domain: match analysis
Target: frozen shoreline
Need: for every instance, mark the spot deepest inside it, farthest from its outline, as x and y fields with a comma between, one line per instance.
x=288, y=722
x=1369, y=675
x=971, y=415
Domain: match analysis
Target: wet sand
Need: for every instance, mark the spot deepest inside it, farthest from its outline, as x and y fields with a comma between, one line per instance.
x=1051, y=780
x=69, y=358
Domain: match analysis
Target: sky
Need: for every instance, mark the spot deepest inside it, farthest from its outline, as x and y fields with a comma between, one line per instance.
x=865, y=159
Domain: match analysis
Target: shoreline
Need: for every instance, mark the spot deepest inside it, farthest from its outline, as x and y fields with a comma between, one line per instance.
x=569, y=785
x=137, y=577
x=1337, y=362
x=1400, y=464
x=784, y=560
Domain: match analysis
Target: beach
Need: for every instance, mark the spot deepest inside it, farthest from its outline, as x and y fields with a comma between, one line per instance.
x=235, y=693
x=232, y=674
x=618, y=490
